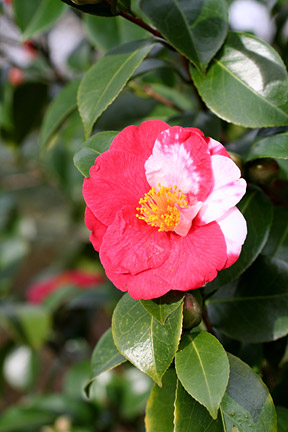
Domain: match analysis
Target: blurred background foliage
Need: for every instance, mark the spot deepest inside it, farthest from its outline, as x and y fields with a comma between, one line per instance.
x=46, y=341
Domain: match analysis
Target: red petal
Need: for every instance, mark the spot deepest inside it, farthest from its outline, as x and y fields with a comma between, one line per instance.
x=139, y=139
x=117, y=179
x=193, y=261
x=97, y=228
x=132, y=246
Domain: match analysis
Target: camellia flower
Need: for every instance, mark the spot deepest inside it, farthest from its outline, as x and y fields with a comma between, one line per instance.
x=39, y=291
x=161, y=208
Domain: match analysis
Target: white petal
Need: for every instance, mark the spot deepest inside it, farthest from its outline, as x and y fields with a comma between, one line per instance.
x=227, y=191
x=233, y=226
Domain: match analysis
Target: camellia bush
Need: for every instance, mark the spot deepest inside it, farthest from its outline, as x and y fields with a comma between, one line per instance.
x=178, y=125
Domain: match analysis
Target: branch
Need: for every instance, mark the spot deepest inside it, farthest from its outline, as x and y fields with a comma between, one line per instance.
x=162, y=99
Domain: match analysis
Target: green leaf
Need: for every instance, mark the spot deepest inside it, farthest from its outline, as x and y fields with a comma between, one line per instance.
x=160, y=406
x=61, y=107
x=254, y=308
x=277, y=244
x=258, y=212
x=275, y=146
x=105, y=357
x=202, y=367
x=101, y=8
x=246, y=84
x=126, y=110
x=34, y=412
x=164, y=306
x=34, y=16
x=108, y=34
x=247, y=405
x=17, y=419
x=95, y=145
x=196, y=29
x=147, y=344
x=29, y=100
x=31, y=324
x=104, y=81
x=190, y=416
x=282, y=416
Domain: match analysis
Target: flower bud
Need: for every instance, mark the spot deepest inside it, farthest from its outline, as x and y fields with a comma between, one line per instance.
x=263, y=171
x=192, y=311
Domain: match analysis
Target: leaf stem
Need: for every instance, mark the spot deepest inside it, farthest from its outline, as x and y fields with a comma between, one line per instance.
x=136, y=20
x=141, y=23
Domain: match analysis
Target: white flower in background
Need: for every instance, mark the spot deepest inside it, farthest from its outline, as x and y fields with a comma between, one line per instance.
x=63, y=39
x=252, y=16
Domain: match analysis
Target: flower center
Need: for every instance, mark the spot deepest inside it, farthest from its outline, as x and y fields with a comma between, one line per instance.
x=161, y=208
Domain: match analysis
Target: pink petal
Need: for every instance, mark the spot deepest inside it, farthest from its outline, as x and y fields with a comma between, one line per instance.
x=216, y=148
x=193, y=261
x=117, y=179
x=139, y=139
x=132, y=246
x=228, y=190
x=187, y=215
x=97, y=228
x=234, y=228
x=180, y=157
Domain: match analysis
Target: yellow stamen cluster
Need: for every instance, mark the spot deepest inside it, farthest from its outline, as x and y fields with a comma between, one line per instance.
x=161, y=208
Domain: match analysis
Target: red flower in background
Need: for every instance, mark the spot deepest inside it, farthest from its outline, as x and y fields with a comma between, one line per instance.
x=39, y=291
x=16, y=76
x=161, y=208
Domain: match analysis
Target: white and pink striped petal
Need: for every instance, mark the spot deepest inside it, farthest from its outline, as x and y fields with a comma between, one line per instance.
x=227, y=191
x=234, y=228
x=181, y=159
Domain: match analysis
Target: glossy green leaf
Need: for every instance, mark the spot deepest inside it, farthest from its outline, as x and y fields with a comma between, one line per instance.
x=160, y=406
x=247, y=405
x=202, y=367
x=162, y=307
x=104, y=81
x=64, y=104
x=101, y=8
x=34, y=17
x=190, y=416
x=108, y=34
x=277, y=243
x=275, y=146
x=105, y=356
x=254, y=308
x=246, y=84
x=147, y=344
x=196, y=29
x=95, y=145
x=282, y=417
x=258, y=212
